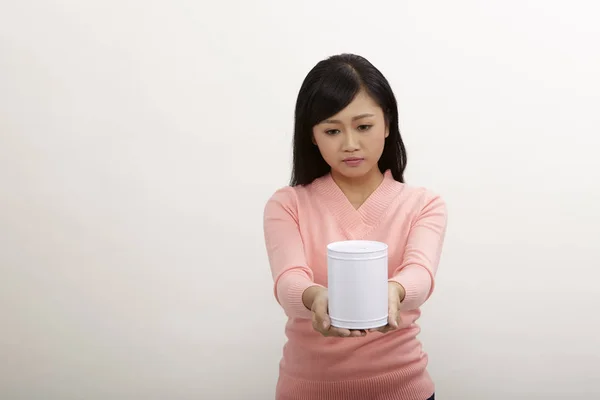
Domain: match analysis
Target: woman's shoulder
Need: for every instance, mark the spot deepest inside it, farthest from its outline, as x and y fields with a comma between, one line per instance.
x=290, y=198
x=283, y=198
x=283, y=194
x=419, y=197
x=296, y=193
x=414, y=190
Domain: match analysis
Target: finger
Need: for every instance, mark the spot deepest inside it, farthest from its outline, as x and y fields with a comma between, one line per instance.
x=319, y=325
x=396, y=318
x=385, y=329
x=315, y=322
x=393, y=319
x=381, y=329
x=343, y=332
x=336, y=332
x=320, y=313
x=358, y=332
x=393, y=312
x=325, y=332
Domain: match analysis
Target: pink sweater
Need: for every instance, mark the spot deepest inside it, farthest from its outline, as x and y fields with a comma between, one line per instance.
x=299, y=222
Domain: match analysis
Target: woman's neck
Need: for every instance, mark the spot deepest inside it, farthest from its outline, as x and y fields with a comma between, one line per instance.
x=357, y=190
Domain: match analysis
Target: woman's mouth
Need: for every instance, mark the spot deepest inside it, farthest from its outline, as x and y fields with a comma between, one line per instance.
x=353, y=161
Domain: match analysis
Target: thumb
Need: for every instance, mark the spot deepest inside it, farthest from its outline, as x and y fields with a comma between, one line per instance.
x=393, y=317
x=320, y=310
x=393, y=312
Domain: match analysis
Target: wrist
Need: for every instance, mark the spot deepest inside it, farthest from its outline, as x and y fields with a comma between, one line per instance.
x=309, y=294
x=401, y=291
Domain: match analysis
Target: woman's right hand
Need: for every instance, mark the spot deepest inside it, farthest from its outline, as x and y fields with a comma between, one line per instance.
x=317, y=297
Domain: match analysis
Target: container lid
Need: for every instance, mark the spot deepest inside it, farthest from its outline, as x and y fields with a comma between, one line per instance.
x=357, y=249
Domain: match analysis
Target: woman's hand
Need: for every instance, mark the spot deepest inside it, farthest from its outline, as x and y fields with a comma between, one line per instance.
x=318, y=299
x=396, y=294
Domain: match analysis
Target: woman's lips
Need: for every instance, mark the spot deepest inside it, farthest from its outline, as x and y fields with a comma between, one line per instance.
x=353, y=161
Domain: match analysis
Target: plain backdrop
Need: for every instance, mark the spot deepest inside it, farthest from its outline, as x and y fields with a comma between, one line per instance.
x=140, y=140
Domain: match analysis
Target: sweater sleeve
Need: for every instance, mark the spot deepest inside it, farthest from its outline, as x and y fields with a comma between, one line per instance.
x=422, y=254
x=285, y=250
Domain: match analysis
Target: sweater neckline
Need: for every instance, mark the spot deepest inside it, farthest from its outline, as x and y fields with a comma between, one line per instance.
x=368, y=215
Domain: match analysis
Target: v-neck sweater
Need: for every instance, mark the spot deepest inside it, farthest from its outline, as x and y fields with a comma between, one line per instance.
x=299, y=223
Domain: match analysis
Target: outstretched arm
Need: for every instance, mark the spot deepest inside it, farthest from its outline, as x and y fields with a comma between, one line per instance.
x=417, y=272
x=285, y=250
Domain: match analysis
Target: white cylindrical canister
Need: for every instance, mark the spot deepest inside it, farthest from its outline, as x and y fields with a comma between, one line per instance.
x=357, y=274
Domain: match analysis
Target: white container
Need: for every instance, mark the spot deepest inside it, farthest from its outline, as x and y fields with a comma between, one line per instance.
x=358, y=284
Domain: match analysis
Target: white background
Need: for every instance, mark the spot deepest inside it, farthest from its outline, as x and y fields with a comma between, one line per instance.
x=139, y=141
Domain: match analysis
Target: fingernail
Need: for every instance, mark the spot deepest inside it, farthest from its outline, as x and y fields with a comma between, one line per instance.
x=325, y=324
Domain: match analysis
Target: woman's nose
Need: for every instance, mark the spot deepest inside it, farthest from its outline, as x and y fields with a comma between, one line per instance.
x=350, y=142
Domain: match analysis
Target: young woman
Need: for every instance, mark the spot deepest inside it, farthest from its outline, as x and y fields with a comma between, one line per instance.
x=347, y=184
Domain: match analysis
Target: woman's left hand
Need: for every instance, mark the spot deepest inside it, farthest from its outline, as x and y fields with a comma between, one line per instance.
x=396, y=294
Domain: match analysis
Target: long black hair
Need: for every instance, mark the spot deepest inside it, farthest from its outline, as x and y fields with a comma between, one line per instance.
x=327, y=89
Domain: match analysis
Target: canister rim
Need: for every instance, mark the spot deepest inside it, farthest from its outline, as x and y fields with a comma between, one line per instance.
x=357, y=248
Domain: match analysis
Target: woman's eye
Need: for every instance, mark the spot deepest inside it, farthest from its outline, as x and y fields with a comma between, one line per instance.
x=364, y=127
x=332, y=131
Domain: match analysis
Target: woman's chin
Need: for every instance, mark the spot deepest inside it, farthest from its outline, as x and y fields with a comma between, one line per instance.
x=353, y=172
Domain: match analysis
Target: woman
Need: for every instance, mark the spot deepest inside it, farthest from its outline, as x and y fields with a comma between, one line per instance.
x=347, y=183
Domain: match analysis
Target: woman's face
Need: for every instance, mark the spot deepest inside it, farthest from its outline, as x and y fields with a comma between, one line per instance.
x=352, y=141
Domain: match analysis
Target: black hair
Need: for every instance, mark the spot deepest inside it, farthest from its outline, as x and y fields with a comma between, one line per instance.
x=328, y=88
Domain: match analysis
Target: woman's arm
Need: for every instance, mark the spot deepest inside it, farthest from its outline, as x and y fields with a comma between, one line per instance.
x=417, y=272
x=285, y=250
